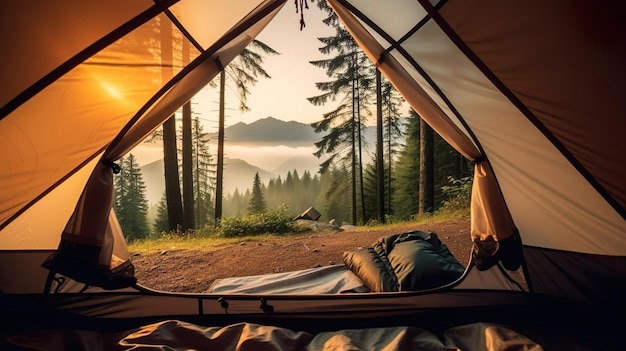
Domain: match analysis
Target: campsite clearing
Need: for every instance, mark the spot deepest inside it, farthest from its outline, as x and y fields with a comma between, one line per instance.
x=189, y=271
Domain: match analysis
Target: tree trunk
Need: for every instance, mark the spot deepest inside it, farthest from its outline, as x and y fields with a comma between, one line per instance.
x=380, y=169
x=188, y=206
x=389, y=163
x=353, y=170
x=170, y=157
x=359, y=139
x=427, y=170
x=220, y=151
x=172, y=179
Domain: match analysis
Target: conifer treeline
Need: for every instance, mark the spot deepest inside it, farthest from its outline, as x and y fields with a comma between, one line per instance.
x=329, y=192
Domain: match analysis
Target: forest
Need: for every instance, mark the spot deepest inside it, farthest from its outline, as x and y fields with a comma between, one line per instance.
x=412, y=172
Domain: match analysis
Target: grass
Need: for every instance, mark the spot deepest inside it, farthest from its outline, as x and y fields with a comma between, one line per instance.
x=212, y=241
x=188, y=242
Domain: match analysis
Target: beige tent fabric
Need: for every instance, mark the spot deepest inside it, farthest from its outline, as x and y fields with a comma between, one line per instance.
x=56, y=41
x=490, y=217
x=567, y=55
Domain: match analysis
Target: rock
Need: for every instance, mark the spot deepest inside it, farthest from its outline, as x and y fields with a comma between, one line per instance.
x=316, y=266
x=315, y=225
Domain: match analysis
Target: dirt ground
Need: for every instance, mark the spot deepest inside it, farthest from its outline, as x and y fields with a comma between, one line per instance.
x=193, y=270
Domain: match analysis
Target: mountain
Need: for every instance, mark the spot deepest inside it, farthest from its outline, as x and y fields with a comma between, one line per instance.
x=240, y=174
x=237, y=174
x=302, y=163
x=271, y=131
x=153, y=176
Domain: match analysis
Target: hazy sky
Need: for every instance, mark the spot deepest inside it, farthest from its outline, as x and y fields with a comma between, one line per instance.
x=293, y=77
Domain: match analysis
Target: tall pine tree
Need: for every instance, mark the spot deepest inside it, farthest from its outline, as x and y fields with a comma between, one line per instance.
x=257, y=200
x=203, y=175
x=406, y=196
x=244, y=71
x=351, y=85
x=131, y=205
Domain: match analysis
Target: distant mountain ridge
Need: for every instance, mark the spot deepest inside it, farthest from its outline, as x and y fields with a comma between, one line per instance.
x=238, y=175
x=271, y=131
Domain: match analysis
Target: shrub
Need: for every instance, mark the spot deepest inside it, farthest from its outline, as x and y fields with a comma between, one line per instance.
x=266, y=222
x=458, y=193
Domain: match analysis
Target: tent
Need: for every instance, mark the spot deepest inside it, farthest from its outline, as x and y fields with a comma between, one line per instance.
x=531, y=92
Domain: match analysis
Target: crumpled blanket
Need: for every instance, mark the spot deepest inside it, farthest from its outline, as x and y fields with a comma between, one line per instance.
x=179, y=335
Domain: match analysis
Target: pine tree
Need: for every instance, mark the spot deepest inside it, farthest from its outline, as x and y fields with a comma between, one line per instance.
x=131, y=205
x=352, y=85
x=392, y=134
x=244, y=71
x=170, y=155
x=189, y=208
x=257, y=200
x=203, y=175
x=161, y=224
x=406, y=177
x=426, y=201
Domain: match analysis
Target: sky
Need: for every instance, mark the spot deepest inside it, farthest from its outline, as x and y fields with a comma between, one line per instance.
x=293, y=77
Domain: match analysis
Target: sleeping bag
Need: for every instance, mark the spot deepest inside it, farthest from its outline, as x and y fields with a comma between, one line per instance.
x=409, y=261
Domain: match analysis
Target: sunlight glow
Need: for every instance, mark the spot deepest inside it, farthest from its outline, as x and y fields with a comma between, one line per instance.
x=112, y=90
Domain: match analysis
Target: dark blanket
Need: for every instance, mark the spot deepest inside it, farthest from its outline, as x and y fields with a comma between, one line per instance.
x=404, y=262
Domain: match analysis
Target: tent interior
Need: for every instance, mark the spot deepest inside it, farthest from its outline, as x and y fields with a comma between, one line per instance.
x=531, y=92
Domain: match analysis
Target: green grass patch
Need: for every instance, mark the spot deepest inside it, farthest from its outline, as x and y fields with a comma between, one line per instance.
x=188, y=242
x=437, y=217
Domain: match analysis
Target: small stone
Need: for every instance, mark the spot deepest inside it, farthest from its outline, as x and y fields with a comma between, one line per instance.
x=315, y=250
x=242, y=243
x=163, y=252
x=332, y=263
x=316, y=266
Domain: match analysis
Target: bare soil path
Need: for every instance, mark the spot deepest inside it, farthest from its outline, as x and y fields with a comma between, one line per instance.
x=193, y=270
